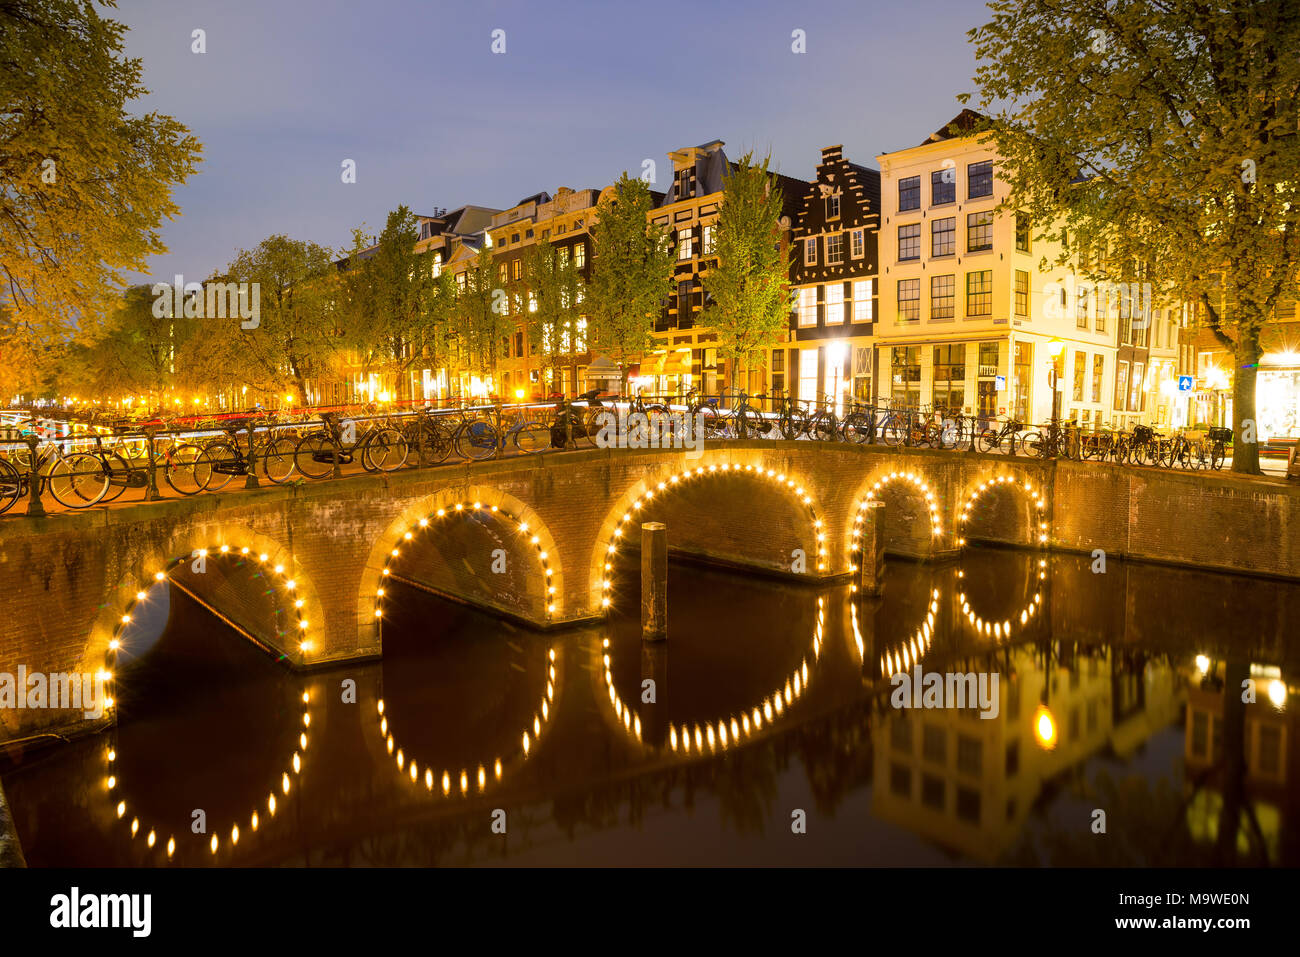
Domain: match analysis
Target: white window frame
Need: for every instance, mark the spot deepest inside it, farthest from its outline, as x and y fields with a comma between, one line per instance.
x=838, y=240
x=810, y=251
x=858, y=244
x=862, y=301
x=834, y=303
x=807, y=307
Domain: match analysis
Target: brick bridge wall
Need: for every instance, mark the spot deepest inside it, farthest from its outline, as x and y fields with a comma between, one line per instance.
x=317, y=553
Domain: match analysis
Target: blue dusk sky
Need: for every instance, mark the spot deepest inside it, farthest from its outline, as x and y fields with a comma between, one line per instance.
x=411, y=90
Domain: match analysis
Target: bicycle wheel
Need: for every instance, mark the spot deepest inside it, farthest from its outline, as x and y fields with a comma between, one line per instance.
x=385, y=450
x=313, y=456
x=856, y=428
x=990, y=440
x=532, y=437
x=823, y=428
x=434, y=443
x=178, y=469
x=11, y=486
x=476, y=441
x=1217, y=455
x=216, y=465
x=277, y=459
x=893, y=432
x=793, y=423
x=1032, y=443
x=78, y=480
x=119, y=475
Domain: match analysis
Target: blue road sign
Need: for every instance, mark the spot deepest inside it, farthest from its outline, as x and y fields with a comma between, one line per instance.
x=1185, y=383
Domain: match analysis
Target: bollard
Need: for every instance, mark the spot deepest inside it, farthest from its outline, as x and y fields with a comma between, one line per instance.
x=151, y=493
x=34, y=504
x=498, y=439
x=568, y=423
x=871, y=558
x=250, y=480
x=654, y=581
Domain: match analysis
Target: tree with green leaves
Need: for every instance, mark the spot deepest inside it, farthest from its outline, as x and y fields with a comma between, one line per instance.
x=554, y=299
x=482, y=310
x=388, y=308
x=632, y=274
x=748, y=290
x=296, y=339
x=1164, y=136
x=84, y=184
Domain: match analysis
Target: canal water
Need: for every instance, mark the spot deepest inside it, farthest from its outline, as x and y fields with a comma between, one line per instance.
x=765, y=730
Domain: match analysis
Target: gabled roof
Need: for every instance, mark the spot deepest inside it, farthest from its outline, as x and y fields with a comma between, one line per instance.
x=960, y=125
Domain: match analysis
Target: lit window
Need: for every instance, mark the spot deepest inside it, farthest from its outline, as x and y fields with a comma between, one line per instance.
x=859, y=245
x=862, y=305
x=835, y=249
x=808, y=306
x=835, y=303
x=810, y=251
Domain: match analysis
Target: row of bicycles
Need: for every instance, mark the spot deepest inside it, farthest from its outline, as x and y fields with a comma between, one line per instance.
x=111, y=456
x=781, y=417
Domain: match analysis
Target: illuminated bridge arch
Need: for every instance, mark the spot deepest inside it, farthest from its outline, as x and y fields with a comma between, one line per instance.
x=423, y=518
x=619, y=522
x=285, y=577
x=913, y=479
x=1038, y=530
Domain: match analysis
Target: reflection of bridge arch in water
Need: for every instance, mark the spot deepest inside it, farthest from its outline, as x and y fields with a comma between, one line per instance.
x=409, y=768
x=645, y=491
x=732, y=729
x=1003, y=630
x=113, y=786
x=448, y=504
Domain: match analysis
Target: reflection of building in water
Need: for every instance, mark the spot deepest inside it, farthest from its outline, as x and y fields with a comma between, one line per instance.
x=1268, y=736
x=968, y=783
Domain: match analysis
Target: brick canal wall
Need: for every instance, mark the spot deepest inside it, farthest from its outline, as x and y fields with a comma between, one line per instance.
x=317, y=553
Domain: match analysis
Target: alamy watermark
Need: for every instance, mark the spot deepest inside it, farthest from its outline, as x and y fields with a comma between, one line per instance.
x=64, y=690
x=660, y=430
x=1062, y=299
x=934, y=689
x=212, y=300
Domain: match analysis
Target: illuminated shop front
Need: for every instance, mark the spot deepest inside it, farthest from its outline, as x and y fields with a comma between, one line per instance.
x=1277, y=395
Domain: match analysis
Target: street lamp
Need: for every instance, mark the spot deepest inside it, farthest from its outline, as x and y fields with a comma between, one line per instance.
x=1055, y=349
x=835, y=356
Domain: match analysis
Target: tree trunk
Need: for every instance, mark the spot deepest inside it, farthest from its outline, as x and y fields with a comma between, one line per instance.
x=623, y=388
x=1245, y=454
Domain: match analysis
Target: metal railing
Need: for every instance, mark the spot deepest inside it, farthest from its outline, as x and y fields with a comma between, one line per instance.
x=98, y=459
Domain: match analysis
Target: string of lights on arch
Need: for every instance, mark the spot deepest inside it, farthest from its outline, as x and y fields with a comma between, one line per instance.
x=732, y=729
x=295, y=763
x=470, y=508
x=409, y=769
x=677, y=478
x=276, y=574
x=859, y=514
x=1007, y=481
x=1002, y=630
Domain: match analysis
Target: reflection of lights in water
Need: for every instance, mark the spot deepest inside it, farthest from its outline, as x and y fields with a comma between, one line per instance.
x=1045, y=727
x=410, y=768
x=1277, y=693
x=1035, y=498
x=1203, y=664
x=645, y=497
x=535, y=540
x=295, y=762
x=892, y=662
x=729, y=730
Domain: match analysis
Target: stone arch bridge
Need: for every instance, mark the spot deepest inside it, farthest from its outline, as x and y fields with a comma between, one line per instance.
x=305, y=571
